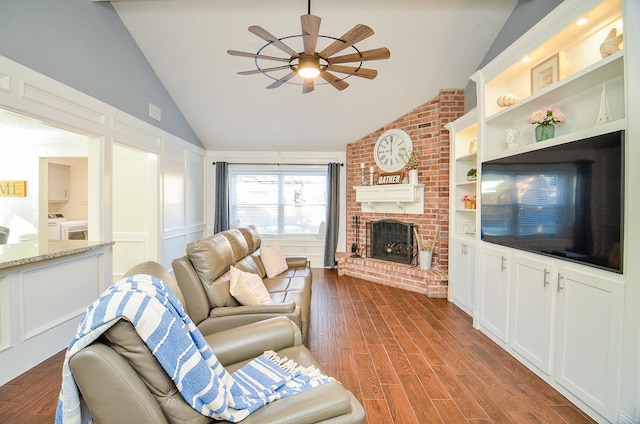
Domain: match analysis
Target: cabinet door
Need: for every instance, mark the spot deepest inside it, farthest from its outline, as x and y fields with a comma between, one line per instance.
x=58, y=182
x=532, y=312
x=494, y=292
x=463, y=274
x=589, y=331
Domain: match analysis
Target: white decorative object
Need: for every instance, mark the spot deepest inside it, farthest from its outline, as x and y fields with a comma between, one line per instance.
x=473, y=146
x=510, y=136
x=611, y=44
x=371, y=175
x=426, y=256
x=413, y=176
x=507, y=100
x=604, y=115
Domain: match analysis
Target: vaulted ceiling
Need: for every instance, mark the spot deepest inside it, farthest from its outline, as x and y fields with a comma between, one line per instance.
x=434, y=44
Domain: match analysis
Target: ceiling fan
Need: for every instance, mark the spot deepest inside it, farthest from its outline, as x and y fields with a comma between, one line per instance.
x=309, y=64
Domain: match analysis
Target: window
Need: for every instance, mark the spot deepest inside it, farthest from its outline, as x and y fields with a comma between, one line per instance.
x=279, y=201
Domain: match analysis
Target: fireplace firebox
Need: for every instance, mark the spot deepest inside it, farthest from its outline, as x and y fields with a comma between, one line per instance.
x=390, y=240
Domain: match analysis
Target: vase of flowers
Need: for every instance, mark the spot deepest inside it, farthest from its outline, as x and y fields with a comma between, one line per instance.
x=469, y=202
x=412, y=164
x=546, y=119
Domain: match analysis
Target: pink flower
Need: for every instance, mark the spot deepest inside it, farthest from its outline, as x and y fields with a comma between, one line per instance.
x=538, y=116
x=547, y=116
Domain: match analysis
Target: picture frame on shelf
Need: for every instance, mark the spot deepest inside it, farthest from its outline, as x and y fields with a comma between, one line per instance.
x=547, y=72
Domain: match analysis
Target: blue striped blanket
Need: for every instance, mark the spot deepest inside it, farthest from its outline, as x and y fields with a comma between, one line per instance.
x=160, y=320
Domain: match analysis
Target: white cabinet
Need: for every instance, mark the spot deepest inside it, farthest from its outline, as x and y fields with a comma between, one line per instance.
x=493, y=299
x=58, y=182
x=533, y=284
x=562, y=320
x=462, y=276
x=589, y=327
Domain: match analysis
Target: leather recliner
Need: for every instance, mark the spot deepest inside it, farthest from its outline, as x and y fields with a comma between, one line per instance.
x=121, y=381
x=203, y=276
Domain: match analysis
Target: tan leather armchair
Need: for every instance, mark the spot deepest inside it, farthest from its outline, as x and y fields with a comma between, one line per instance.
x=121, y=381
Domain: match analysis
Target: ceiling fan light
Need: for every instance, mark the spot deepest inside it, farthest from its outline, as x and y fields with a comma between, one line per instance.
x=308, y=67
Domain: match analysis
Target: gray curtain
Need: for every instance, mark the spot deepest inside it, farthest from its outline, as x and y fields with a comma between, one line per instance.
x=221, y=221
x=333, y=212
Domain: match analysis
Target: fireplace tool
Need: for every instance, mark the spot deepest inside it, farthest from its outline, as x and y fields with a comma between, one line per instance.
x=355, y=247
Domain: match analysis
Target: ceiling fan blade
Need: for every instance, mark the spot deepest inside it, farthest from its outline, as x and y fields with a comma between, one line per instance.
x=352, y=70
x=257, y=56
x=265, y=35
x=353, y=36
x=334, y=80
x=259, y=71
x=310, y=30
x=282, y=80
x=307, y=87
x=375, y=54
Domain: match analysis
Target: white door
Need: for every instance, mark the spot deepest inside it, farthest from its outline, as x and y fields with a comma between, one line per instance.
x=532, y=312
x=493, y=304
x=589, y=330
x=135, y=208
x=463, y=274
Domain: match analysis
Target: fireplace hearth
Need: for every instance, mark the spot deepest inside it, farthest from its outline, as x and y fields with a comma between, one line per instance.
x=390, y=240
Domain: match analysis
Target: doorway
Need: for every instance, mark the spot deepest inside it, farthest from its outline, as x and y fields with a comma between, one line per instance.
x=135, y=207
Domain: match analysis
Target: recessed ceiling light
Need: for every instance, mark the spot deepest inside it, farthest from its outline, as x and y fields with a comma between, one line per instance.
x=582, y=21
x=526, y=59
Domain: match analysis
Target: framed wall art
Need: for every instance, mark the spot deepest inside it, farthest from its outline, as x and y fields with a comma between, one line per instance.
x=546, y=73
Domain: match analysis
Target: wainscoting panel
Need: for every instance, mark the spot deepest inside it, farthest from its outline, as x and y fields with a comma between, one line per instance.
x=53, y=295
x=173, y=248
x=130, y=249
x=42, y=304
x=5, y=304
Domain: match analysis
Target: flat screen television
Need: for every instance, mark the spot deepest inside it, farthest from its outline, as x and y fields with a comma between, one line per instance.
x=565, y=201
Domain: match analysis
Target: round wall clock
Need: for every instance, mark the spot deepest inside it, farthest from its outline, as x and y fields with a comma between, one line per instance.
x=392, y=150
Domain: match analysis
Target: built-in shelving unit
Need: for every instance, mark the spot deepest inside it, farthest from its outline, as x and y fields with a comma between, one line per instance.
x=563, y=320
x=391, y=198
x=463, y=219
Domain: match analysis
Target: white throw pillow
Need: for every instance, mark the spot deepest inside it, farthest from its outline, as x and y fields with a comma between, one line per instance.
x=273, y=260
x=248, y=288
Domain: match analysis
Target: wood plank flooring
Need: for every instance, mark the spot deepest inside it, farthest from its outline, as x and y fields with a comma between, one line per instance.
x=407, y=358
x=411, y=359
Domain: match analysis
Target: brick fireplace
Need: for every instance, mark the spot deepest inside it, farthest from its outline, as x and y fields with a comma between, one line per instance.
x=425, y=126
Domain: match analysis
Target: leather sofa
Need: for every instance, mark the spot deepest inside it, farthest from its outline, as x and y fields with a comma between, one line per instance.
x=203, y=275
x=121, y=381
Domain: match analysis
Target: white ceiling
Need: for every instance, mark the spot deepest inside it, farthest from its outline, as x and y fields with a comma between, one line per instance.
x=434, y=44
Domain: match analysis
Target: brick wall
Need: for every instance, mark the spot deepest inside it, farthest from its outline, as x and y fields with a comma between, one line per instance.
x=425, y=126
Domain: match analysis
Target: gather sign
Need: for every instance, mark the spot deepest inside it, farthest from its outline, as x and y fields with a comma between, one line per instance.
x=391, y=178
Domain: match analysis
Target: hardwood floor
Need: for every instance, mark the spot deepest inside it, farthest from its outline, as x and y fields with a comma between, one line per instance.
x=407, y=358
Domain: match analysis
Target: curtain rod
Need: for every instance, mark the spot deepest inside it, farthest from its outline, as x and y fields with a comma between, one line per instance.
x=277, y=164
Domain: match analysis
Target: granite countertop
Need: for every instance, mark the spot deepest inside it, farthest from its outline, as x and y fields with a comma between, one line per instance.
x=35, y=251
